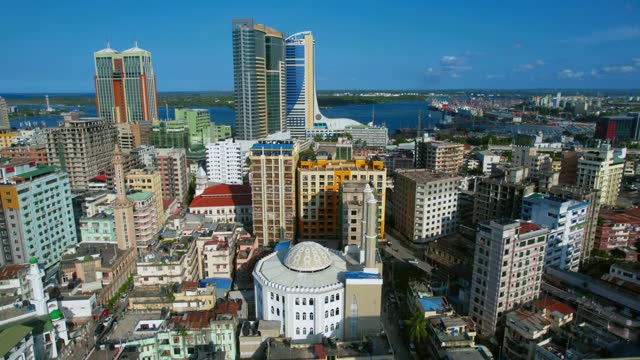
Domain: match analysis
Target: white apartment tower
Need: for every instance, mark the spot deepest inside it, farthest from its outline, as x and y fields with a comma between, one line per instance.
x=224, y=162
x=507, y=269
x=601, y=170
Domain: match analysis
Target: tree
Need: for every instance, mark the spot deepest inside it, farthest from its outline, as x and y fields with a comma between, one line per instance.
x=192, y=189
x=418, y=328
x=400, y=139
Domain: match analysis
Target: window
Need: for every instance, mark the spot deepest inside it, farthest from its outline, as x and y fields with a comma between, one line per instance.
x=326, y=299
x=304, y=316
x=326, y=314
x=297, y=331
x=332, y=312
x=337, y=297
x=332, y=327
x=271, y=296
x=310, y=316
x=277, y=296
x=304, y=331
x=297, y=301
x=332, y=298
x=278, y=312
x=304, y=301
x=310, y=331
x=311, y=301
x=297, y=316
x=326, y=329
x=272, y=309
x=337, y=311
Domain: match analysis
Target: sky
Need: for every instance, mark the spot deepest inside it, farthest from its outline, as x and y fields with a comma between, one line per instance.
x=47, y=46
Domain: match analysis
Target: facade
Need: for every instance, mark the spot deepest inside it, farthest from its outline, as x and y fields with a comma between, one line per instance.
x=273, y=188
x=300, y=83
x=259, y=81
x=626, y=271
x=221, y=132
x=99, y=228
x=170, y=134
x=425, y=204
x=319, y=194
x=198, y=122
x=123, y=208
x=189, y=297
x=167, y=262
x=500, y=196
x=224, y=162
x=217, y=258
x=601, y=170
x=82, y=147
x=507, y=269
x=99, y=268
x=7, y=139
x=125, y=85
x=617, y=128
x=487, y=159
x=352, y=207
x=224, y=203
x=439, y=156
x=566, y=223
x=4, y=115
x=36, y=218
x=146, y=222
x=172, y=166
x=369, y=136
x=148, y=180
x=617, y=229
x=37, y=153
x=449, y=332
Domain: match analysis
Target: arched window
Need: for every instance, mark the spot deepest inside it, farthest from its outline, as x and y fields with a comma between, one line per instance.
x=304, y=331
x=326, y=314
x=310, y=331
x=277, y=297
x=337, y=297
x=326, y=299
x=326, y=329
x=272, y=309
x=332, y=298
x=310, y=316
x=297, y=301
x=311, y=301
x=337, y=311
x=304, y=301
x=271, y=294
x=337, y=326
x=331, y=327
x=332, y=312
x=297, y=316
x=304, y=316
x=297, y=331
x=278, y=312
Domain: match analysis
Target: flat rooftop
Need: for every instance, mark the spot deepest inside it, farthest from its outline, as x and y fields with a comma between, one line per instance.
x=165, y=250
x=125, y=328
x=107, y=253
x=425, y=175
x=372, y=346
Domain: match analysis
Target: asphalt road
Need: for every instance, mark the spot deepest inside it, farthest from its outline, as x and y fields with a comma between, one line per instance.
x=404, y=252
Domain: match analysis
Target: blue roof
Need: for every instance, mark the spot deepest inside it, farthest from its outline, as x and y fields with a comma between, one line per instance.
x=361, y=275
x=221, y=283
x=283, y=245
x=272, y=146
x=431, y=304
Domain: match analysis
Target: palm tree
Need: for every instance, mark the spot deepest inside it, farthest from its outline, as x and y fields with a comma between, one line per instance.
x=418, y=328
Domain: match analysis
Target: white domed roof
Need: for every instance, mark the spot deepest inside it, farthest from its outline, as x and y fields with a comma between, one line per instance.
x=308, y=256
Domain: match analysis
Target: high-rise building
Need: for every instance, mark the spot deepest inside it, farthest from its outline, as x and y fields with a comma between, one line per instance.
x=172, y=166
x=82, y=147
x=273, y=190
x=170, y=134
x=319, y=188
x=601, y=170
x=148, y=180
x=500, y=196
x=565, y=220
x=300, y=83
x=36, y=216
x=198, y=122
x=4, y=115
x=125, y=85
x=353, y=206
x=224, y=162
x=259, y=81
x=439, y=156
x=507, y=269
x=425, y=204
x=122, y=207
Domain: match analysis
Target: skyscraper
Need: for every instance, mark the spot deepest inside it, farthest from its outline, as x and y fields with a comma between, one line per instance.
x=300, y=83
x=259, y=80
x=125, y=85
x=4, y=115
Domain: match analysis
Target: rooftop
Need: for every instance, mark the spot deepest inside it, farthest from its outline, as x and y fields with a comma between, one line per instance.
x=107, y=253
x=630, y=266
x=164, y=251
x=425, y=175
x=527, y=321
x=12, y=336
x=372, y=346
x=10, y=271
x=39, y=171
x=139, y=195
x=553, y=306
x=433, y=304
x=526, y=227
x=129, y=327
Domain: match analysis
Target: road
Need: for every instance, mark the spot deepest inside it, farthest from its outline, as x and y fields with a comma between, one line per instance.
x=403, y=252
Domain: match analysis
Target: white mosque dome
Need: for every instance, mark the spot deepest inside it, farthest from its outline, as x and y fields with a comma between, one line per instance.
x=308, y=256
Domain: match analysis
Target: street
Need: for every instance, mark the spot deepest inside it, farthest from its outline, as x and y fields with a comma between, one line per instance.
x=403, y=252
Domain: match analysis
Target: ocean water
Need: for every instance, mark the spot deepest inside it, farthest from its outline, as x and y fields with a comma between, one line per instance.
x=394, y=115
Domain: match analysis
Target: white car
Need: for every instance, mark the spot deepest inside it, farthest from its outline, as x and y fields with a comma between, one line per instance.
x=413, y=261
x=106, y=320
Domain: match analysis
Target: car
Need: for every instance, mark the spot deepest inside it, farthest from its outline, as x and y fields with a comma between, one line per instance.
x=106, y=320
x=99, y=330
x=412, y=348
x=388, y=243
x=413, y=261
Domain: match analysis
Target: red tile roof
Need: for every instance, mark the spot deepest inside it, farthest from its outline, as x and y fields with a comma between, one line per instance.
x=189, y=286
x=193, y=320
x=228, y=307
x=553, y=305
x=223, y=195
x=10, y=271
x=526, y=227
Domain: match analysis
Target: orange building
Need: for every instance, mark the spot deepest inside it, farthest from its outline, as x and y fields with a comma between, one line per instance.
x=320, y=191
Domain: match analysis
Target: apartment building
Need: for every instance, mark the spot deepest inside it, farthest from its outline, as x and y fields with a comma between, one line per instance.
x=440, y=156
x=172, y=166
x=601, y=170
x=224, y=162
x=500, y=196
x=167, y=262
x=148, y=180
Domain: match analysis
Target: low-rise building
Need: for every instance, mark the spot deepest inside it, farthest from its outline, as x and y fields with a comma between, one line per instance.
x=188, y=297
x=449, y=332
x=224, y=203
x=147, y=180
x=523, y=330
x=167, y=262
x=97, y=268
x=37, y=153
x=617, y=229
x=100, y=228
x=254, y=336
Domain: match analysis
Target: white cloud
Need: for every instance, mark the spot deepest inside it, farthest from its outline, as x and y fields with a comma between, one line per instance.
x=494, y=76
x=620, y=33
x=531, y=66
x=570, y=74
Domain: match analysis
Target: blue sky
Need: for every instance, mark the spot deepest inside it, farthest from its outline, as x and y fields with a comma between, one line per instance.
x=47, y=46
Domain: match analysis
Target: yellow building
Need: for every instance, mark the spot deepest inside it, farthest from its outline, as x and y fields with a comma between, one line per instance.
x=7, y=139
x=148, y=181
x=319, y=194
x=188, y=298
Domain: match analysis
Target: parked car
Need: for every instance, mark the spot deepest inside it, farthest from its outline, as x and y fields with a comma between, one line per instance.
x=99, y=330
x=106, y=320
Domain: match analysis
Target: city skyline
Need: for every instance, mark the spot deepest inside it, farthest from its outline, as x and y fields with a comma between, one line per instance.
x=565, y=45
